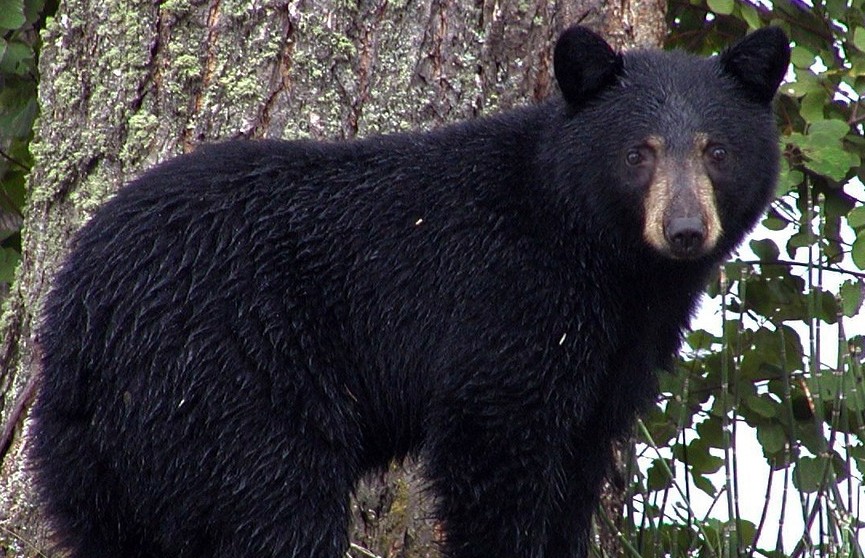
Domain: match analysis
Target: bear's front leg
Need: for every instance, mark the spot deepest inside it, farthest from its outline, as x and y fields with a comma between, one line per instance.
x=570, y=530
x=511, y=484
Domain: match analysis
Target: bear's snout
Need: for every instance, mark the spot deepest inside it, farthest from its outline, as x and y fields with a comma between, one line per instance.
x=685, y=236
x=681, y=216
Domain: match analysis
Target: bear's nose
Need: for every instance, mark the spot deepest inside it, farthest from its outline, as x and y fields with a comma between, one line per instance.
x=685, y=236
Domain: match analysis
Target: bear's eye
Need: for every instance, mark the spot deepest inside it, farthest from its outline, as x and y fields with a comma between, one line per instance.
x=640, y=156
x=717, y=154
x=634, y=157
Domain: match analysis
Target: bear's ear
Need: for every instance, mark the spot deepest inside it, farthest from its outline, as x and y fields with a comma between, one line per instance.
x=759, y=62
x=584, y=64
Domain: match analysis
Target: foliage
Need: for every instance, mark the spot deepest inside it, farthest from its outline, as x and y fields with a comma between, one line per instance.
x=786, y=365
x=19, y=45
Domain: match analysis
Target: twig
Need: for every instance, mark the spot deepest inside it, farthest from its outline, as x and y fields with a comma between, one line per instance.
x=362, y=550
x=14, y=161
x=16, y=536
x=17, y=412
x=859, y=274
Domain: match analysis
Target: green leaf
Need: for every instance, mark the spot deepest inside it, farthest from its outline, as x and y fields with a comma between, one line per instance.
x=824, y=149
x=788, y=180
x=779, y=295
x=751, y=366
x=808, y=474
x=768, y=349
x=797, y=240
x=704, y=484
x=13, y=187
x=858, y=250
x=765, y=249
x=18, y=58
x=766, y=408
x=858, y=67
x=17, y=122
x=801, y=57
x=858, y=454
x=12, y=14
x=856, y=217
x=711, y=432
x=33, y=10
x=712, y=528
x=700, y=339
x=854, y=402
x=813, y=105
x=657, y=477
x=851, y=294
x=698, y=457
x=810, y=434
x=746, y=530
x=660, y=427
x=9, y=259
x=836, y=9
x=774, y=223
x=10, y=222
x=826, y=306
x=829, y=130
x=805, y=82
x=750, y=15
x=723, y=7
x=859, y=38
x=771, y=437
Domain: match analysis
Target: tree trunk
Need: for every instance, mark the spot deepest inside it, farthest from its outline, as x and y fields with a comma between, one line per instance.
x=125, y=85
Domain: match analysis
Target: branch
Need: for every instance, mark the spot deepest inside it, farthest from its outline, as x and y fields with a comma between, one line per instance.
x=14, y=161
x=859, y=274
x=16, y=415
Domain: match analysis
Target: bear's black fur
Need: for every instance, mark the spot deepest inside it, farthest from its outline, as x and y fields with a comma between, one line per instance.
x=242, y=332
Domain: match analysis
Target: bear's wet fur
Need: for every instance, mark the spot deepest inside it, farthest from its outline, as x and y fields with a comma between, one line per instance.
x=242, y=332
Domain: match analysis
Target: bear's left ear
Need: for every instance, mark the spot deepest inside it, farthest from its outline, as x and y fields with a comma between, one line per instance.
x=584, y=64
x=759, y=62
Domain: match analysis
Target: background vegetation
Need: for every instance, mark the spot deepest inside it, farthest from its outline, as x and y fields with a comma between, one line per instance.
x=19, y=42
x=784, y=364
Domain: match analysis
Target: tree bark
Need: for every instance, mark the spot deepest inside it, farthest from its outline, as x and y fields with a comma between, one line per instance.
x=125, y=85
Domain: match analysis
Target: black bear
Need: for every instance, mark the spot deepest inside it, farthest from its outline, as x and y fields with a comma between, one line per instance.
x=242, y=332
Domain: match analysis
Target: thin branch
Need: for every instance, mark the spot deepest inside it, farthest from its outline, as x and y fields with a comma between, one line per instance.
x=14, y=161
x=759, y=530
x=16, y=414
x=16, y=536
x=362, y=550
x=859, y=274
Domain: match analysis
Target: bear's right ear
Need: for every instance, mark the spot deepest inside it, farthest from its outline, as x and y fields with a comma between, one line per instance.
x=584, y=64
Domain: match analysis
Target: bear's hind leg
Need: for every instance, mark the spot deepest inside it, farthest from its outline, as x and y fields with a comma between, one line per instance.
x=502, y=492
x=310, y=523
x=286, y=495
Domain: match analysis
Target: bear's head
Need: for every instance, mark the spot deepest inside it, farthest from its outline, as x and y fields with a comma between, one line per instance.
x=684, y=146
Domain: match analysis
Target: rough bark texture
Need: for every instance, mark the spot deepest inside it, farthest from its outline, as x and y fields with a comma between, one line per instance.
x=128, y=84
